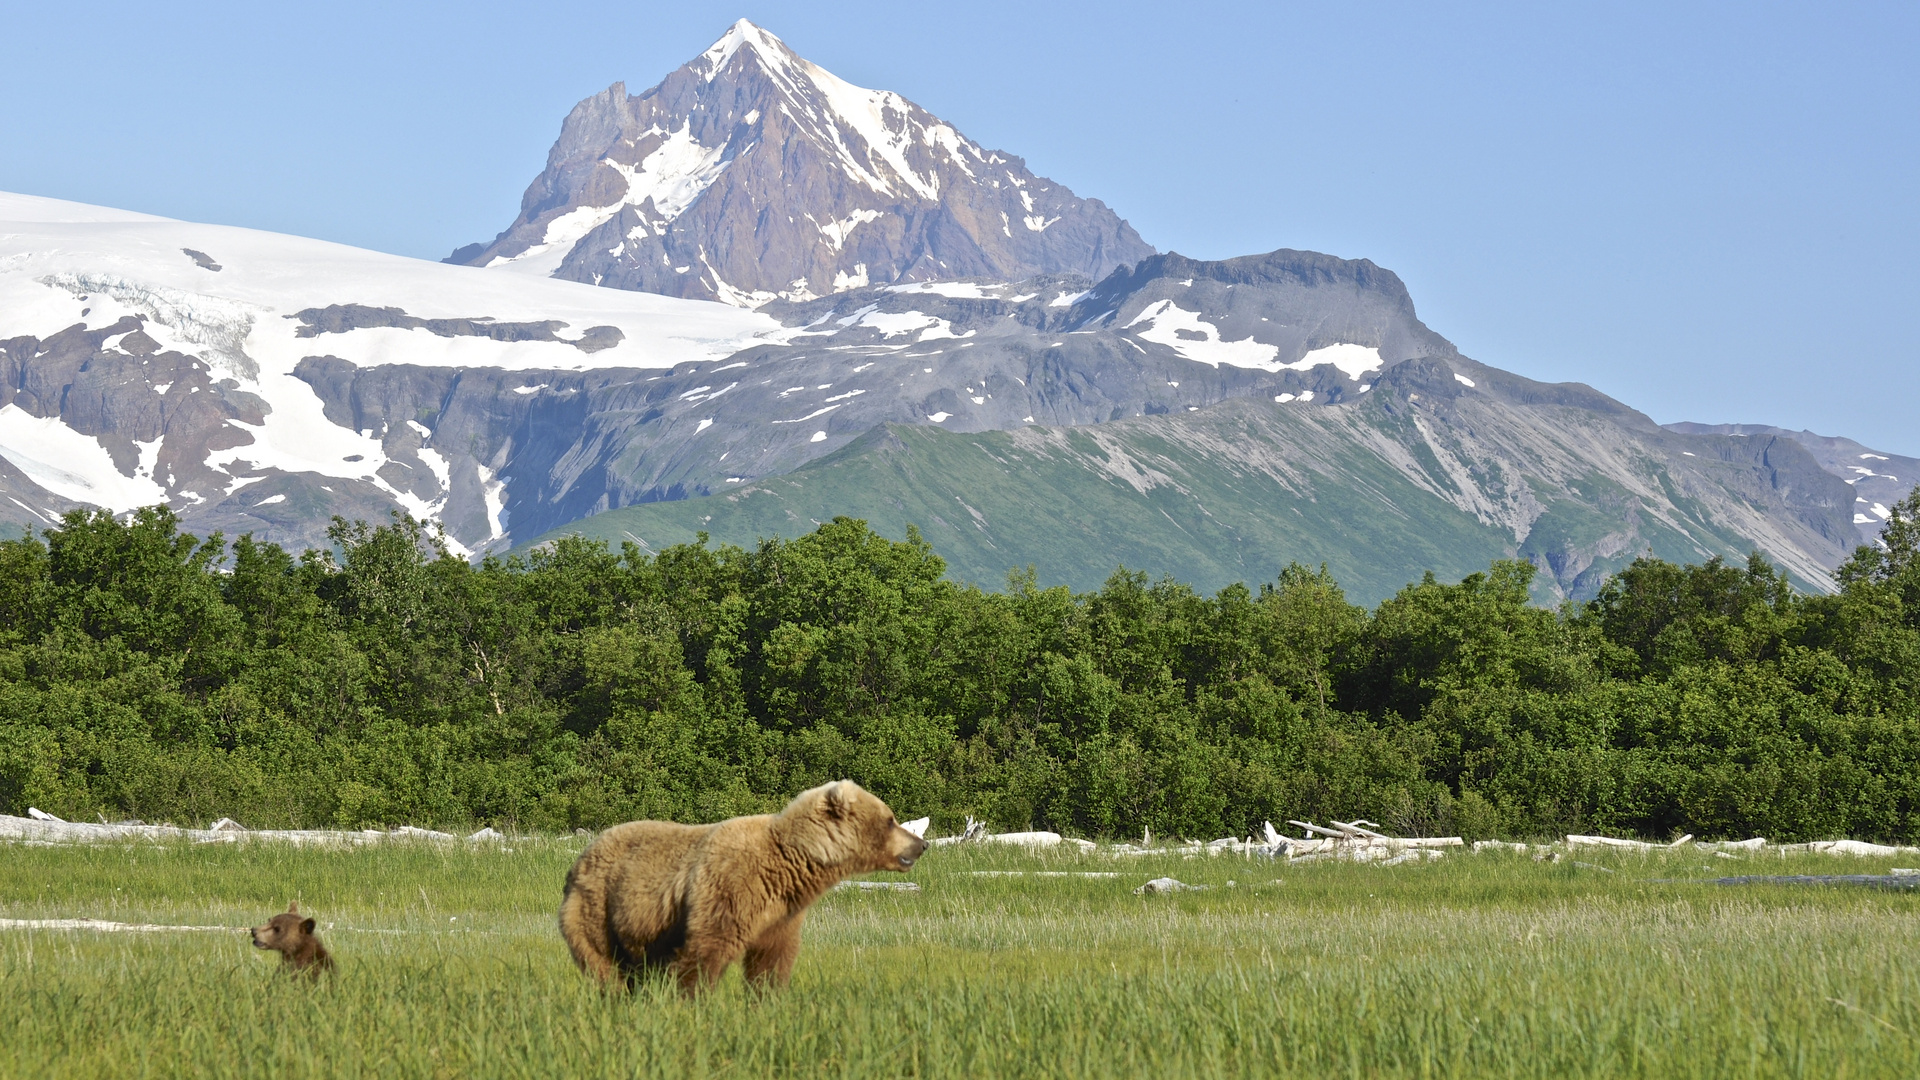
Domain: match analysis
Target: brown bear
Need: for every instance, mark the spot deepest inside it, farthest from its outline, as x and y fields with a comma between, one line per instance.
x=689, y=900
x=292, y=936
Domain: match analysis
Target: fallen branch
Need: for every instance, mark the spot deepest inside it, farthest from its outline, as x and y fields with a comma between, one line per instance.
x=1163, y=885
x=108, y=927
x=1414, y=855
x=1043, y=873
x=1848, y=847
x=976, y=833
x=1904, y=882
x=1721, y=847
x=1355, y=840
x=1317, y=829
x=1352, y=828
x=1610, y=841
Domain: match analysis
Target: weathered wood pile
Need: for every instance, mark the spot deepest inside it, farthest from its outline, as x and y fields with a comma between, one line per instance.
x=1358, y=841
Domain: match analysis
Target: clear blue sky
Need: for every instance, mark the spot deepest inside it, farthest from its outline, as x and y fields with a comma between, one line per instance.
x=1708, y=211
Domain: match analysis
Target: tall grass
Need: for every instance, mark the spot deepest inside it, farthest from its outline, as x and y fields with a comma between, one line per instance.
x=1473, y=966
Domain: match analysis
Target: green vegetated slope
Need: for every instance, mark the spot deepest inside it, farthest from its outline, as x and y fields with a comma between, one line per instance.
x=992, y=501
x=1423, y=474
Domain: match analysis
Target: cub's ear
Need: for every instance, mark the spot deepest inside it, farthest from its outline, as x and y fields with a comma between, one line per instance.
x=307, y=925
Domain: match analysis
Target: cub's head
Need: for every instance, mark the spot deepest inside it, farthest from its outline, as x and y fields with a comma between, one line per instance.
x=844, y=826
x=285, y=932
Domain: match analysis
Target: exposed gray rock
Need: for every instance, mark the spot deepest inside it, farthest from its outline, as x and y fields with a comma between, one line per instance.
x=1166, y=886
x=342, y=318
x=25, y=504
x=968, y=356
x=1878, y=479
x=1423, y=473
x=1295, y=300
x=201, y=259
x=597, y=338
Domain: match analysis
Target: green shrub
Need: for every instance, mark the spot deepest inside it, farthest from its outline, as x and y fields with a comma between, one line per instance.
x=146, y=673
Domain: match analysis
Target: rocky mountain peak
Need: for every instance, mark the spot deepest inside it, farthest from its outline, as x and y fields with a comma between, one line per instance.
x=761, y=48
x=751, y=173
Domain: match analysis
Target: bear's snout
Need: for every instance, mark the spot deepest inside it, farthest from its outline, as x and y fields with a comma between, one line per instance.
x=911, y=851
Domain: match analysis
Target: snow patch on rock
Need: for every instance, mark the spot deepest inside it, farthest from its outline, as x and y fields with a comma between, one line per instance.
x=69, y=464
x=1193, y=337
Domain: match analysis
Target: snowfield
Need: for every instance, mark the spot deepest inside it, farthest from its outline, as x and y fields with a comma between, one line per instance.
x=49, y=248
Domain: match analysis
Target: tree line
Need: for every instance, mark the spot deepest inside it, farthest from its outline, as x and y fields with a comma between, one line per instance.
x=146, y=673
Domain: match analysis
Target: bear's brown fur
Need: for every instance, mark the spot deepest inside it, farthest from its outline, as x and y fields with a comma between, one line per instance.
x=291, y=935
x=689, y=900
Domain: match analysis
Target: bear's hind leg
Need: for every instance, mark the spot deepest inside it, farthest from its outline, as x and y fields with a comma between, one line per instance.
x=769, y=960
x=583, y=922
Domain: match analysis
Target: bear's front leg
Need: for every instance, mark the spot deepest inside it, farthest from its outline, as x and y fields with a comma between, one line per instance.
x=700, y=966
x=716, y=937
x=769, y=960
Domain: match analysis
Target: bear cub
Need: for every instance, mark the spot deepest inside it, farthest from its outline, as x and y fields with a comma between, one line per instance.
x=689, y=900
x=291, y=935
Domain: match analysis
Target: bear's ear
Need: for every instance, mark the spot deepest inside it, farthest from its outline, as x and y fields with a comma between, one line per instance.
x=839, y=795
x=307, y=925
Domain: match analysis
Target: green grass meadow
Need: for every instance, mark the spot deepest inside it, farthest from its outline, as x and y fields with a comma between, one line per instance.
x=1474, y=965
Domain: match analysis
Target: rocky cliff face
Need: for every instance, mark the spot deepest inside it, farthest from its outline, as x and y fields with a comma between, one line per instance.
x=751, y=174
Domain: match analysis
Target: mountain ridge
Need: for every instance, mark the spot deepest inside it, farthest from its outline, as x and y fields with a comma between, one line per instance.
x=266, y=398
x=1424, y=473
x=1875, y=492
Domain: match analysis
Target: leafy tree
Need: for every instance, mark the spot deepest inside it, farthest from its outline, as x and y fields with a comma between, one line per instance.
x=1667, y=616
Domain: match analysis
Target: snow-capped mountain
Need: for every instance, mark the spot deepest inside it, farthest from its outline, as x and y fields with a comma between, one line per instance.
x=263, y=383
x=260, y=382
x=960, y=355
x=145, y=360
x=751, y=174
x=875, y=273
x=1214, y=420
